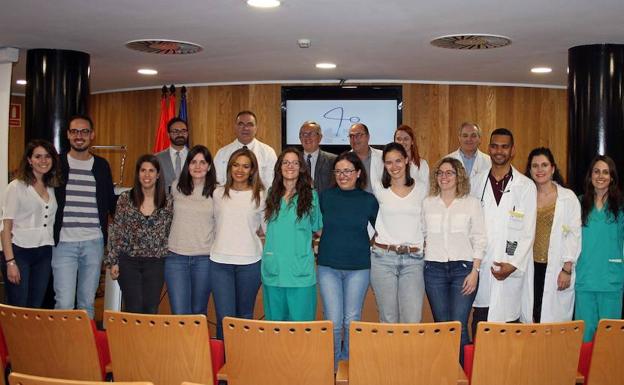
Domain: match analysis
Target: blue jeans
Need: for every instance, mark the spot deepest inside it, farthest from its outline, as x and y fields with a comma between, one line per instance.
x=34, y=268
x=76, y=267
x=234, y=290
x=342, y=293
x=397, y=280
x=188, y=283
x=443, y=282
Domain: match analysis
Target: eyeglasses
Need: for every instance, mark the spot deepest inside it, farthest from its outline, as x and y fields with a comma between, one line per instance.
x=79, y=131
x=294, y=163
x=248, y=124
x=308, y=134
x=357, y=135
x=447, y=173
x=344, y=172
x=176, y=131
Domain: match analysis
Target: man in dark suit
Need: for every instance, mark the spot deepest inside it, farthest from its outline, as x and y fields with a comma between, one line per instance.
x=319, y=163
x=172, y=158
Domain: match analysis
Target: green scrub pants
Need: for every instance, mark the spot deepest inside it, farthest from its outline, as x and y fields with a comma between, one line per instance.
x=592, y=306
x=289, y=303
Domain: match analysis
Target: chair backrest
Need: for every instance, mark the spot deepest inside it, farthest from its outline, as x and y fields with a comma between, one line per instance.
x=276, y=353
x=163, y=349
x=51, y=343
x=404, y=353
x=25, y=379
x=607, y=361
x=527, y=354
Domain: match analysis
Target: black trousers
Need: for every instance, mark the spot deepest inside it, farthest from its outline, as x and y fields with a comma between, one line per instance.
x=538, y=290
x=141, y=281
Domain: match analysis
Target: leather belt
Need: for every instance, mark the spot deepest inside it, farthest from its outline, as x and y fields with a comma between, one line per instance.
x=399, y=249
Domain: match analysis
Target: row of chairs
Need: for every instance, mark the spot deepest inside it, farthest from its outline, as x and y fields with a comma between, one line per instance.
x=172, y=349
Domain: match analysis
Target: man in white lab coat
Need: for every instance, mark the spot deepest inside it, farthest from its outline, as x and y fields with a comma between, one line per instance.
x=468, y=153
x=508, y=198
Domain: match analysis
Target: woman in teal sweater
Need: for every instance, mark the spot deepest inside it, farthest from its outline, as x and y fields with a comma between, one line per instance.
x=344, y=251
x=292, y=215
x=600, y=269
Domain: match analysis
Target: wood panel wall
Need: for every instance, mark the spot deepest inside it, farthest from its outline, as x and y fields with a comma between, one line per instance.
x=537, y=116
x=16, y=137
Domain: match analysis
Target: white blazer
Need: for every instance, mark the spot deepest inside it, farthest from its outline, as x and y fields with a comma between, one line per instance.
x=481, y=164
x=510, y=230
x=565, y=246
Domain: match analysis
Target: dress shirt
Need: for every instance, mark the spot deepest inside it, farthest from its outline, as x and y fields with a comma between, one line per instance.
x=468, y=161
x=313, y=160
x=454, y=233
x=264, y=154
x=183, y=154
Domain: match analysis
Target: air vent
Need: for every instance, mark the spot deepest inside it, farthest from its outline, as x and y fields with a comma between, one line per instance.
x=471, y=41
x=164, y=47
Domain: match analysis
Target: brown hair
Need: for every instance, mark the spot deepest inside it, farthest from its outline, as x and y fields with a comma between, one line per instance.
x=414, y=155
x=52, y=178
x=254, y=179
x=462, y=186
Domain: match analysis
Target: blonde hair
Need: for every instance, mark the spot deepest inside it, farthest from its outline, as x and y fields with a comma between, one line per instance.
x=462, y=186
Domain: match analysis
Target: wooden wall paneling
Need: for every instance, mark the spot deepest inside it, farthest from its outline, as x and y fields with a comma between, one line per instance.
x=16, y=137
x=265, y=101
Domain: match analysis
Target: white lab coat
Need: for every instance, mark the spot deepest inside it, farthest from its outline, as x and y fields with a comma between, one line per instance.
x=565, y=246
x=481, y=164
x=513, y=220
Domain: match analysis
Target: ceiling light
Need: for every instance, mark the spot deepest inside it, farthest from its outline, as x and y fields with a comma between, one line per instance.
x=264, y=3
x=325, y=66
x=541, y=70
x=21, y=82
x=147, y=71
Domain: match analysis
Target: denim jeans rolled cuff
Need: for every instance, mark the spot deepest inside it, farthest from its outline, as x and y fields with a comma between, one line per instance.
x=398, y=283
x=234, y=290
x=188, y=282
x=76, y=267
x=34, y=268
x=342, y=293
x=444, y=283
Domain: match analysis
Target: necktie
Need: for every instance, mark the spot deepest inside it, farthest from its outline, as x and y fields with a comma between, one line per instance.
x=309, y=161
x=246, y=148
x=178, y=164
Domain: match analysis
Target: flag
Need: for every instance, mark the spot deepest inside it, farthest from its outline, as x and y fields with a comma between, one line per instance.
x=171, y=112
x=182, y=114
x=162, y=137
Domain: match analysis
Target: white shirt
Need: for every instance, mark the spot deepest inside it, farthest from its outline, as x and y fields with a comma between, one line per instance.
x=33, y=218
x=420, y=174
x=399, y=220
x=237, y=221
x=263, y=152
x=481, y=163
x=192, y=227
x=313, y=160
x=183, y=154
x=454, y=233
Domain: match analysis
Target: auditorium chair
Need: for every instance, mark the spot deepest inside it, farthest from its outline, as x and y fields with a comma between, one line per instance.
x=25, y=379
x=602, y=361
x=402, y=354
x=277, y=353
x=54, y=343
x=525, y=354
x=163, y=349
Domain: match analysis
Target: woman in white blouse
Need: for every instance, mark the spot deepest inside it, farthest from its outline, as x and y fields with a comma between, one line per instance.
x=237, y=249
x=397, y=256
x=456, y=241
x=28, y=215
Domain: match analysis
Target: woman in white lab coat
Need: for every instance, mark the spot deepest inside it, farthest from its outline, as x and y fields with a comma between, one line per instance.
x=557, y=240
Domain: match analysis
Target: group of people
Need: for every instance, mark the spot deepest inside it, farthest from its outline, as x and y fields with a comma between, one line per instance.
x=471, y=233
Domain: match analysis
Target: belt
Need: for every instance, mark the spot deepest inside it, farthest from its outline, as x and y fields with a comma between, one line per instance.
x=399, y=249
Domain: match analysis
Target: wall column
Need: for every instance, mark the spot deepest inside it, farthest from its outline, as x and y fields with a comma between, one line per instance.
x=8, y=56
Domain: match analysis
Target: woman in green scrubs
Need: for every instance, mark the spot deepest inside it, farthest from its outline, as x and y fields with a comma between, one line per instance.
x=292, y=214
x=600, y=269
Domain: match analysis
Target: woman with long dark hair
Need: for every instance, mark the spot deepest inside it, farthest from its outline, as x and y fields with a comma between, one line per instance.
x=28, y=214
x=419, y=168
x=292, y=214
x=397, y=256
x=187, y=266
x=137, y=242
x=557, y=240
x=600, y=268
x=237, y=249
x=344, y=251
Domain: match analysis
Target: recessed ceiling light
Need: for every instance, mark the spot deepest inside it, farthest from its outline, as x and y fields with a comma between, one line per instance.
x=325, y=66
x=264, y=3
x=541, y=70
x=147, y=71
x=21, y=82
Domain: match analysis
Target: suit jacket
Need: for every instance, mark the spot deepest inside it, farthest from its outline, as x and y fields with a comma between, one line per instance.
x=323, y=172
x=166, y=167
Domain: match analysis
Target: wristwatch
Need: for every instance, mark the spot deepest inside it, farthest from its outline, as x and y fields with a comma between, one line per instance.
x=478, y=269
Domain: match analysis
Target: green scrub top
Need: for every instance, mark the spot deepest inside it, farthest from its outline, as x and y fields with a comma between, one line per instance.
x=600, y=266
x=288, y=259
